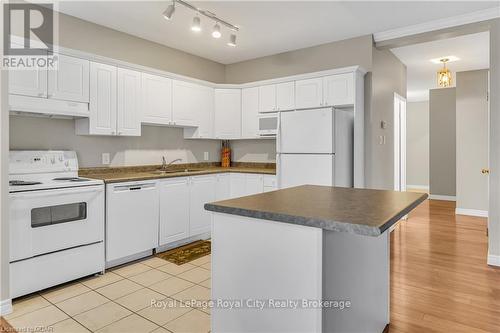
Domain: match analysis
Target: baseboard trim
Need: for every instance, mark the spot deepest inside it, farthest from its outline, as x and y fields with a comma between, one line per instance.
x=5, y=307
x=418, y=187
x=442, y=197
x=493, y=260
x=471, y=212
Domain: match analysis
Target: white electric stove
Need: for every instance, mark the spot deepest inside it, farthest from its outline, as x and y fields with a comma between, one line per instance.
x=56, y=221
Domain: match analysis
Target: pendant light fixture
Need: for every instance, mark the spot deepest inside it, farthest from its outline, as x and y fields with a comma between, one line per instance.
x=444, y=75
x=196, y=25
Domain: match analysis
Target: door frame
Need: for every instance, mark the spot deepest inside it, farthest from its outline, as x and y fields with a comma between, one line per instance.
x=400, y=128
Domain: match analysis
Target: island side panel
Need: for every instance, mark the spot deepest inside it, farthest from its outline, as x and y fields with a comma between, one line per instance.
x=255, y=259
x=356, y=268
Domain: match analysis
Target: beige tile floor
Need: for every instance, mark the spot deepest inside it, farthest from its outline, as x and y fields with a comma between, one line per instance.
x=121, y=301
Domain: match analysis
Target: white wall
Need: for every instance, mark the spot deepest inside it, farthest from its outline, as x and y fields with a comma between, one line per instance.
x=417, y=144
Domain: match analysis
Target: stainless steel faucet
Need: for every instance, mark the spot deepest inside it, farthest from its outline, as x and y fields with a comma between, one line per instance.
x=165, y=165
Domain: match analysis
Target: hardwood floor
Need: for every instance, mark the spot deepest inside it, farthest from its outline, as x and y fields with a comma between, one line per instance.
x=440, y=281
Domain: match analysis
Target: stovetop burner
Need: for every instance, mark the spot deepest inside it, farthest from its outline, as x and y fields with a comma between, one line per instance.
x=72, y=179
x=22, y=183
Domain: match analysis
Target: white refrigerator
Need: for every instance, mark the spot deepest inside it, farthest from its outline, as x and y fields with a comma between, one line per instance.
x=315, y=147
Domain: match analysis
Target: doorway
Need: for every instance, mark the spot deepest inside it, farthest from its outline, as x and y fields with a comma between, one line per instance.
x=399, y=143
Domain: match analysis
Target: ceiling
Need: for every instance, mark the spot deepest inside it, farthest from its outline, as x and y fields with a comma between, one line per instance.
x=267, y=27
x=472, y=50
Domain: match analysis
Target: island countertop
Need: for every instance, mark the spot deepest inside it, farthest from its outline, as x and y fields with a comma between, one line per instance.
x=360, y=211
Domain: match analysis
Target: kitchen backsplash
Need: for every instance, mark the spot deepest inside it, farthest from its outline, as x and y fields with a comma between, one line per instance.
x=43, y=133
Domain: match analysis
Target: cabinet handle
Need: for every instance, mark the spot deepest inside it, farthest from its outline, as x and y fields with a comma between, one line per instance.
x=113, y=132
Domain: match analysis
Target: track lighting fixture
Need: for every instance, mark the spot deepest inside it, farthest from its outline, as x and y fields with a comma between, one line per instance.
x=232, y=40
x=216, y=32
x=196, y=26
x=169, y=12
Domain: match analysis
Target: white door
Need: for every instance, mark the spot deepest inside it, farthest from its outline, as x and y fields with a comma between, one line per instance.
x=28, y=82
x=128, y=102
x=102, y=99
x=223, y=186
x=267, y=98
x=250, y=113
x=184, y=97
x=227, y=113
x=339, y=89
x=174, y=210
x=156, y=99
x=254, y=184
x=70, y=81
x=238, y=185
x=302, y=169
x=285, y=96
x=399, y=143
x=307, y=131
x=202, y=191
x=309, y=93
x=132, y=219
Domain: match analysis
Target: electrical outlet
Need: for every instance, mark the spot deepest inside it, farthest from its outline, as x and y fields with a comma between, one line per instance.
x=105, y=158
x=206, y=156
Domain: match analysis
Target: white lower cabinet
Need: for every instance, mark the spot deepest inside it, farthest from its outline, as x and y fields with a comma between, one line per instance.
x=243, y=184
x=202, y=191
x=131, y=231
x=174, y=210
x=222, y=186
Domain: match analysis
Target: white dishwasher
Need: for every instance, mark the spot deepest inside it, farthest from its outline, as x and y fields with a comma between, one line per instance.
x=132, y=219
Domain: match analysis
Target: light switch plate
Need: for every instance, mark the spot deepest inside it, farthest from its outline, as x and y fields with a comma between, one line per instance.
x=105, y=158
x=206, y=156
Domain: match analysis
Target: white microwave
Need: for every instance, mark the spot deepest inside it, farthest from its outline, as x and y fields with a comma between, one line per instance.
x=268, y=124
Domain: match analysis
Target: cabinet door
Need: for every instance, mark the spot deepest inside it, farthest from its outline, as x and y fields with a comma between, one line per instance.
x=128, y=102
x=70, y=81
x=156, y=99
x=174, y=210
x=223, y=186
x=267, y=98
x=102, y=99
x=285, y=96
x=227, y=113
x=184, y=102
x=205, y=112
x=28, y=82
x=254, y=184
x=339, y=89
x=238, y=185
x=309, y=93
x=202, y=192
x=250, y=113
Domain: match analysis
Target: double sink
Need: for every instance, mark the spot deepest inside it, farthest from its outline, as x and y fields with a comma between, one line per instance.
x=166, y=172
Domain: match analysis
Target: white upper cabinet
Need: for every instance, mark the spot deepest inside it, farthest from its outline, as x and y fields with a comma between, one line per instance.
x=70, y=81
x=309, y=93
x=102, y=120
x=267, y=98
x=128, y=102
x=203, y=105
x=185, y=100
x=156, y=99
x=285, y=96
x=227, y=113
x=250, y=113
x=277, y=97
x=339, y=89
x=28, y=82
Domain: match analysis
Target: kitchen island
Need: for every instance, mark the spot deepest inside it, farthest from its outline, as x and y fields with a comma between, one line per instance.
x=304, y=259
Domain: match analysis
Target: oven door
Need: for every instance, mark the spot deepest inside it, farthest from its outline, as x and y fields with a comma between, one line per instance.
x=51, y=220
x=268, y=125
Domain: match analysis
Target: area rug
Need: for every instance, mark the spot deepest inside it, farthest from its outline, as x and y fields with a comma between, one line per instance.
x=186, y=253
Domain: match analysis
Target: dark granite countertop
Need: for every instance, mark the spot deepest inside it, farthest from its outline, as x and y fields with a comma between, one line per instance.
x=360, y=211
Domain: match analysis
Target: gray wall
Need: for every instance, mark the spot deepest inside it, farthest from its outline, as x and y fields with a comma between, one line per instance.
x=388, y=77
x=472, y=139
x=43, y=133
x=417, y=143
x=494, y=185
x=350, y=52
x=442, y=121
